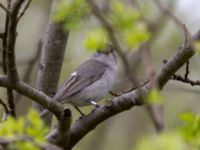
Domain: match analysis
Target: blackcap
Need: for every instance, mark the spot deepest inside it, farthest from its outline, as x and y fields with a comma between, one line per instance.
x=91, y=81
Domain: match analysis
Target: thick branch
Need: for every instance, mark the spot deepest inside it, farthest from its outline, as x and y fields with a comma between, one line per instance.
x=51, y=61
x=60, y=134
x=34, y=94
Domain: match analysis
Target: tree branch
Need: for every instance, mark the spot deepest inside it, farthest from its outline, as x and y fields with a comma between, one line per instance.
x=34, y=94
x=4, y=8
x=52, y=57
x=4, y=106
x=60, y=134
x=185, y=80
x=24, y=9
x=11, y=39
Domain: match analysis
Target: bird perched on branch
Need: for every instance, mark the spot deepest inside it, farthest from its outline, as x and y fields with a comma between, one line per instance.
x=91, y=81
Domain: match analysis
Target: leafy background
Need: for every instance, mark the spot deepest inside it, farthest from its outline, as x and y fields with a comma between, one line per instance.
x=125, y=130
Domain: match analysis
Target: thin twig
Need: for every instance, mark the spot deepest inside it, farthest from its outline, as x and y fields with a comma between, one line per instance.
x=186, y=80
x=187, y=70
x=177, y=21
x=4, y=8
x=11, y=102
x=10, y=95
x=154, y=110
x=129, y=90
x=11, y=39
x=24, y=9
x=31, y=63
x=168, y=12
x=4, y=106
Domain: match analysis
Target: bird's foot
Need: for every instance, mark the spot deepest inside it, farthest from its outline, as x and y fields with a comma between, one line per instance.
x=82, y=114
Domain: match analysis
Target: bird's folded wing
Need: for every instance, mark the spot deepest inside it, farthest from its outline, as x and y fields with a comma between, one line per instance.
x=85, y=75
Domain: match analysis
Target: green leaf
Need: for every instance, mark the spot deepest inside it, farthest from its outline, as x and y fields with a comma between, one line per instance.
x=31, y=126
x=154, y=97
x=96, y=39
x=197, y=47
x=122, y=16
x=71, y=12
x=136, y=35
x=166, y=141
x=128, y=25
x=191, y=129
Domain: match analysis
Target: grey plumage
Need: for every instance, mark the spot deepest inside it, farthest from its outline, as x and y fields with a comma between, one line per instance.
x=90, y=81
x=86, y=74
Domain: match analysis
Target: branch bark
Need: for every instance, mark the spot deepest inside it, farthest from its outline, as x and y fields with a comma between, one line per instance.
x=51, y=61
x=11, y=39
x=34, y=94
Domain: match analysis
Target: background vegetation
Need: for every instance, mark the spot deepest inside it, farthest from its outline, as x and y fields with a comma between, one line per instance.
x=132, y=129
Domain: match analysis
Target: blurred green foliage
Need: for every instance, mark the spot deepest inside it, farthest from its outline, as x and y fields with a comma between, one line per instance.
x=96, y=39
x=197, y=47
x=30, y=127
x=71, y=12
x=186, y=137
x=154, y=97
x=125, y=21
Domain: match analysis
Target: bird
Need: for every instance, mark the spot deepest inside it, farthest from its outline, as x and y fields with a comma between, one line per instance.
x=91, y=81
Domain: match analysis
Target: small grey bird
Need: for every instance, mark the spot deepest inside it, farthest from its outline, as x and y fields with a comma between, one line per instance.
x=91, y=81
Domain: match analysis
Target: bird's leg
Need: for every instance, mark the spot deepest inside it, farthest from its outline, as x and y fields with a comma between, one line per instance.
x=82, y=114
x=94, y=103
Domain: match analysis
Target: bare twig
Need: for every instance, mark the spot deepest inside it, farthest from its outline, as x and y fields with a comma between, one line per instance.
x=168, y=12
x=4, y=106
x=177, y=21
x=154, y=110
x=4, y=8
x=24, y=9
x=34, y=94
x=187, y=70
x=129, y=90
x=31, y=63
x=185, y=80
x=10, y=96
x=11, y=102
x=148, y=62
x=11, y=38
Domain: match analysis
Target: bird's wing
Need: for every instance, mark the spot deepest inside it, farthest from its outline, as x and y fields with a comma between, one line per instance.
x=85, y=75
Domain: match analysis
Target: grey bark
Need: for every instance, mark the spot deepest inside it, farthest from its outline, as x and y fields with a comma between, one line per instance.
x=51, y=60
